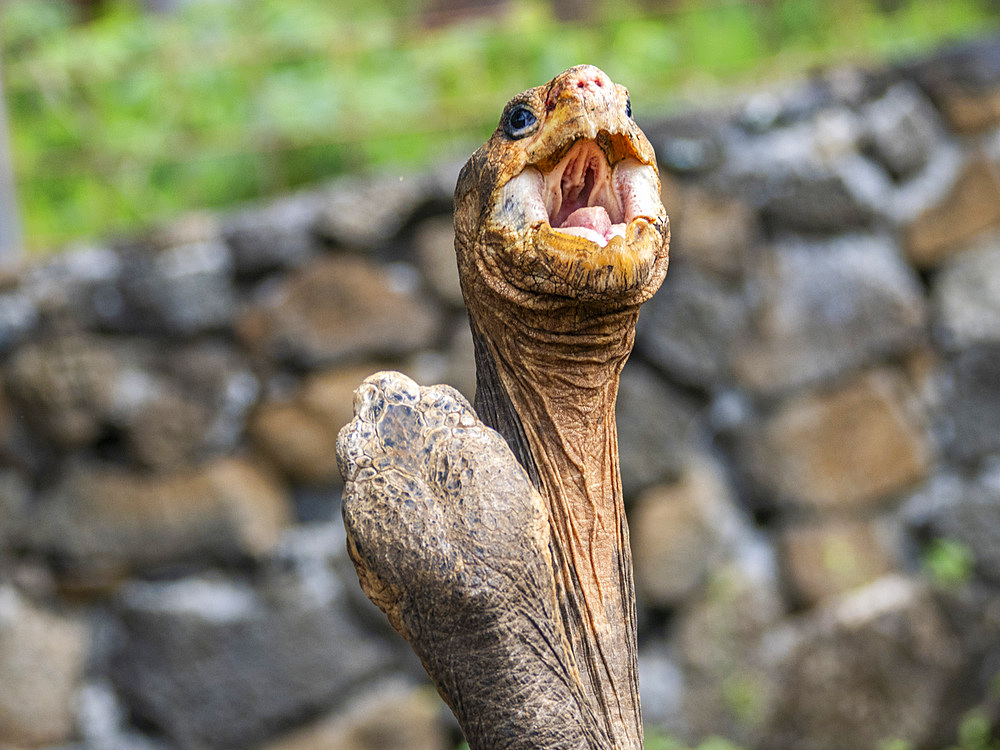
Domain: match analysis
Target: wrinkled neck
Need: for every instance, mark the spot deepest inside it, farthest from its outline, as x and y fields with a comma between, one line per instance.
x=548, y=381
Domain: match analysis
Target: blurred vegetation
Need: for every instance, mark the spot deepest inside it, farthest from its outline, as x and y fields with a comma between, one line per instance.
x=949, y=563
x=133, y=117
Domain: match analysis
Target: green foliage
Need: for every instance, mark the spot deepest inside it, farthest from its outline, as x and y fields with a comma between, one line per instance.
x=896, y=744
x=949, y=563
x=134, y=117
x=974, y=733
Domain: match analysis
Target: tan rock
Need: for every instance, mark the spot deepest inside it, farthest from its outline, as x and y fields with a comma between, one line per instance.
x=14, y=501
x=66, y=385
x=397, y=717
x=302, y=447
x=435, y=245
x=834, y=557
x=329, y=395
x=970, y=110
x=338, y=308
x=851, y=447
x=254, y=503
x=102, y=523
x=41, y=664
x=299, y=434
x=714, y=232
x=460, y=361
x=678, y=531
x=168, y=430
x=8, y=420
x=971, y=207
x=187, y=229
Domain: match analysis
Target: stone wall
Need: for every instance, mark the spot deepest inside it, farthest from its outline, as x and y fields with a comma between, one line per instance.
x=810, y=439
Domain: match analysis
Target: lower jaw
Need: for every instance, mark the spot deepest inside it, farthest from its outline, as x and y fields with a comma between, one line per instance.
x=622, y=265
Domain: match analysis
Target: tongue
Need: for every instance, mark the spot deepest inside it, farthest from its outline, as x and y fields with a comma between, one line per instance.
x=591, y=223
x=594, y=218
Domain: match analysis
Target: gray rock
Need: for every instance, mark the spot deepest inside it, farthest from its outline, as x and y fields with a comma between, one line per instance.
x=816, y=177
x=18, y=315
x=21, y=447
x=80, y=283
x=902, y=130
x=661, y=689
x=212, y=375
x=720, y=639
x=215, y=664
x=820, y=203
x=181, y=289
x=825, y=308
x=179, y=407
x=872, y=666
x=971, y=410
x=277, y=235
x=367, y=212
x=160, y=426
x=102, y=722
x=157, y=408
x=966, y=297
x=973, y=611
x=689, y=145
x=803, y=146
x=839, y=89
x=963, y=510
x=801, y=101
x=760, y=112
x=189, y=288
x=654, y=426
x=964, y=82
x=690, y=326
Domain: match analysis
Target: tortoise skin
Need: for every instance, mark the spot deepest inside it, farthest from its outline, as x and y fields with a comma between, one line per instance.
x=505, y=562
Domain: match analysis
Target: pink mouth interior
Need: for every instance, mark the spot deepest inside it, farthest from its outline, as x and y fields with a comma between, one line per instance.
x=580, y=197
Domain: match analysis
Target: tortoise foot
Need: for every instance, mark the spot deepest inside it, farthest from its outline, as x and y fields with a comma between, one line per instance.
x=451, y=540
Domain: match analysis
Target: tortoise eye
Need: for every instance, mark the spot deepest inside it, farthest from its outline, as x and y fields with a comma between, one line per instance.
x=519, y=122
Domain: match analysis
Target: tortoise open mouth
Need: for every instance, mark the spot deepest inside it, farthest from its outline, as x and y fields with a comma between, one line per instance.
x=588, y=193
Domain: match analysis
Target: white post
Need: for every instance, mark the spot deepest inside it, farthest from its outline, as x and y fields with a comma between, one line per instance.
x=11, y=246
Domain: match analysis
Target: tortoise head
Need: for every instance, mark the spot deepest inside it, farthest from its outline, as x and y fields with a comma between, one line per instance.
x=564, y=199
